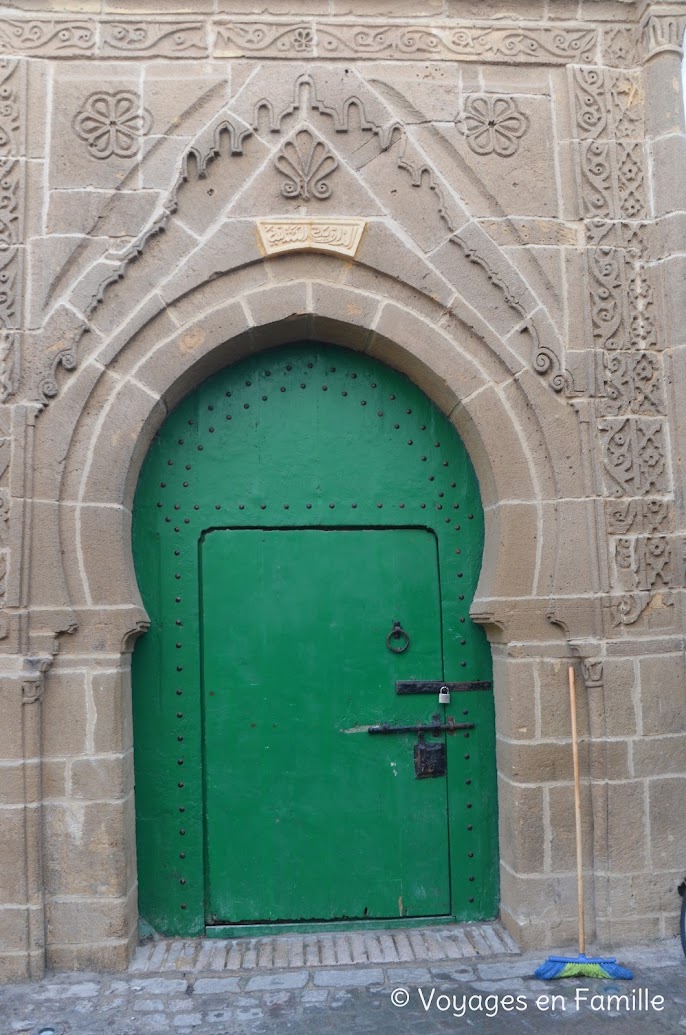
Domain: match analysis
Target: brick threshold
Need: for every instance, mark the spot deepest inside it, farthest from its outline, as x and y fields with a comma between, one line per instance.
x=436, y=944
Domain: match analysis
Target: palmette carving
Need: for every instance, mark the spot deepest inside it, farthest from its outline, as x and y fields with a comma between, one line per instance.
x=306, y=162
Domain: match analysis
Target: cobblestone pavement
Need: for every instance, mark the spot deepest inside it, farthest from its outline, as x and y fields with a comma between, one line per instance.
x=490, y=994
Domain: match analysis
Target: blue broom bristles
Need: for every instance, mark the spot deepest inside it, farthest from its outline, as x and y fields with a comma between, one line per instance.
x=581, y=966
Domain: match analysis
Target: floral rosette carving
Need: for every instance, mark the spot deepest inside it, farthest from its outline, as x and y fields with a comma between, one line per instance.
x=493, y=125
x=112, y=123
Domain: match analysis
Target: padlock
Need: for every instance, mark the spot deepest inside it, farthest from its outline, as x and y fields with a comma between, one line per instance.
x=444, y=695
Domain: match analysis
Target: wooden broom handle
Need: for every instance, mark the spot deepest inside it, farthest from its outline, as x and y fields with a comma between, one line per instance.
x=577, y=814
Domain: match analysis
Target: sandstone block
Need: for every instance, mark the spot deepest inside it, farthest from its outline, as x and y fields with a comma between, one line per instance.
x=627, y=835
x=658, y=756
x=13, y=856
x=113, y=731
x=89, y=849
x=430, y=359
x=667, y=832
x=111, y=957
x=520, y=811
x=663, y=694
x=515, y=696
x=11, y=736
x=65, y=714
x=98, y=778
x=81, y=921
x=563, y=828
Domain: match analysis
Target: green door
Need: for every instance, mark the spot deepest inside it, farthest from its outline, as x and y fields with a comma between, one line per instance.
x=332, y=821
x=290, y=510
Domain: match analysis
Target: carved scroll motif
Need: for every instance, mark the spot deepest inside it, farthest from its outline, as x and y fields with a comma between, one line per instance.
x=12, y=87
x=322, y=38
x=634, y=456
x=621, y=300
x=633, y=383
x=56, y=37
x=178, y=38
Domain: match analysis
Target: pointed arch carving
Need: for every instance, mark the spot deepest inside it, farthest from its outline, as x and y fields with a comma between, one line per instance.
x=230, y=135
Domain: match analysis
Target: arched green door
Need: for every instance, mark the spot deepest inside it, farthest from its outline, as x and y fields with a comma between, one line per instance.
x=308, y=537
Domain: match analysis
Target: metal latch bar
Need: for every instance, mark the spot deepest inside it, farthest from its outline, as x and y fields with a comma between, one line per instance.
x=434, y=686
x=434, y=727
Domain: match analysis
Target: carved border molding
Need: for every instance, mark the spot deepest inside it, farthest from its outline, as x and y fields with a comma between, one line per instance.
x=339, y=236
x=469, y=41
x=629, y=396
x=57, y=37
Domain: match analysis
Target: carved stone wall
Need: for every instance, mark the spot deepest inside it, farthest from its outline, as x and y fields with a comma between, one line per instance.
x=490, y=198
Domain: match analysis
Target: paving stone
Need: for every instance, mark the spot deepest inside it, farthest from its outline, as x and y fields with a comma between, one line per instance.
x=215, y=986
x=188, y=1020
x=265, y=982
x=494, y=971
x=503, y=987
x=409, y=975
x=219, y=1016
x=178, y=1005
x=162, y=986
x=148, y=1004
x=277, y=998
x=156, y=1022
x=249, y=1014
x=314, y=995
x=345, y=978
x=452, y=973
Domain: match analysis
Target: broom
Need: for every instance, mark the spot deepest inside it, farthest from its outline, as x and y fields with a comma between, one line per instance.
x=581, y=965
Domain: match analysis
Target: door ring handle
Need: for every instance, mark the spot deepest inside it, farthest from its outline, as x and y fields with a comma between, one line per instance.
x=398, y=633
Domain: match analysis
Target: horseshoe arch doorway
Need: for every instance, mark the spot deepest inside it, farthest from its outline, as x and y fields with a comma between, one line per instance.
x=308, y=537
